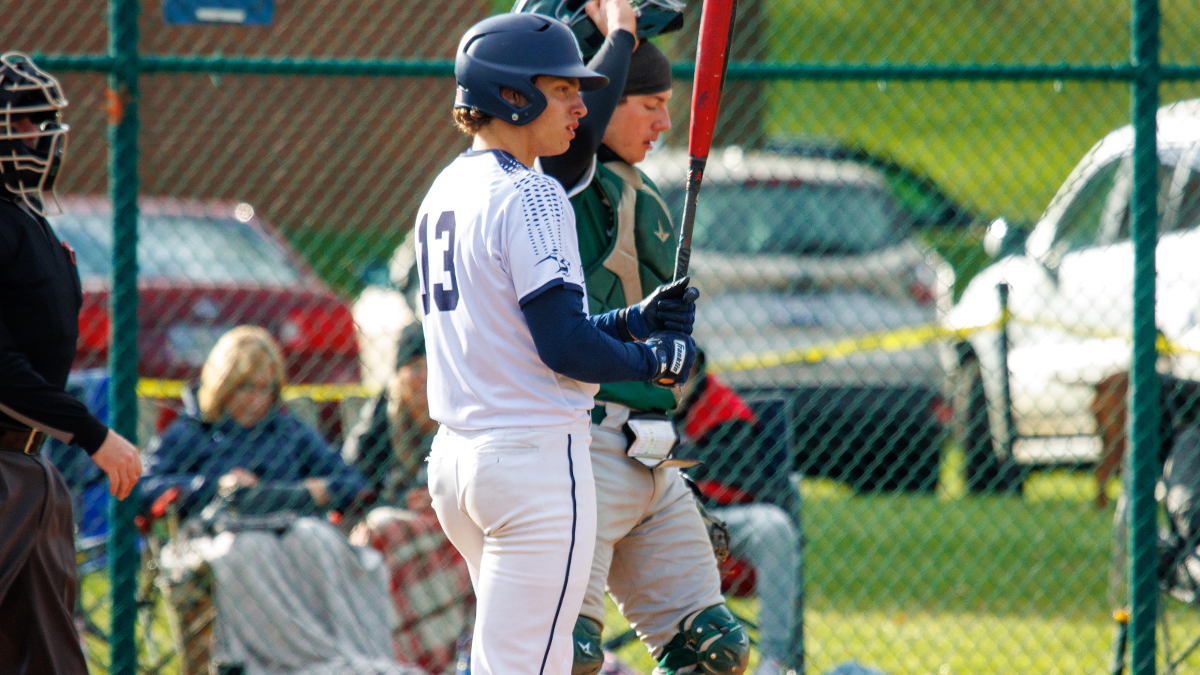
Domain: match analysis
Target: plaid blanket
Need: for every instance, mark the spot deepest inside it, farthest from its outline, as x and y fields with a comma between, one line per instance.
x=429, y=583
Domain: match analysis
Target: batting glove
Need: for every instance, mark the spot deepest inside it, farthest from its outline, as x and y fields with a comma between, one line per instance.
x=675, y=353
x=670, y=307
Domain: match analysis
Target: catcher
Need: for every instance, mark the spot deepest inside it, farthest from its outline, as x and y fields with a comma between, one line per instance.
x=652, y=547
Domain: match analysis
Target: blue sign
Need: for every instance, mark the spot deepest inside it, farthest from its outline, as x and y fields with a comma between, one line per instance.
x=237, y=12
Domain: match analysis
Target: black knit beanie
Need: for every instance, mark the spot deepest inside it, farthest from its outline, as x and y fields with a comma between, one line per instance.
x=649, y=71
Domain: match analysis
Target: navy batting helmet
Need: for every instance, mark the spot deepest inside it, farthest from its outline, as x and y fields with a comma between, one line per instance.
x=508, y=51
x=654, y=17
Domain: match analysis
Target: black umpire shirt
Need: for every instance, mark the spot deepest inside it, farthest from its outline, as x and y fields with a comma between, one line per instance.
x=40, y=298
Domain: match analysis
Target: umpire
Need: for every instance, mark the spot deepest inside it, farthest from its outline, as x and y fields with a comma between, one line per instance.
x=40, y=297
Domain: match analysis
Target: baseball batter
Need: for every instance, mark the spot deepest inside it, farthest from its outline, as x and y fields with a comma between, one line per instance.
x=512, y=350
x=652, y=546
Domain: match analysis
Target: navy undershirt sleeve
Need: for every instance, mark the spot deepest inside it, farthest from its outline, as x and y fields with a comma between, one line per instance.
x=612, y=61
x=574, y=345
x=607, y=323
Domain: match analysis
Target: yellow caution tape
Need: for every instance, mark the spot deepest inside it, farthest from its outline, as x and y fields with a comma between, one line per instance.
x=325, y=392
x=154, y=388
x=901, y=340
x=888, y=341
x=1161, y=343
x=148, y=388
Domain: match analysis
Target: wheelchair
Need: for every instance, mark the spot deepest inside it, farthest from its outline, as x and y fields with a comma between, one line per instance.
x=1177, y=493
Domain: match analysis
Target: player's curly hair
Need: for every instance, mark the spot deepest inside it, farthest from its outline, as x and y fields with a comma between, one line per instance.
x=470, y=121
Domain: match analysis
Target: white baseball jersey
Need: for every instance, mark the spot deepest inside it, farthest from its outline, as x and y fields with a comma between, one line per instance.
x=491, y=233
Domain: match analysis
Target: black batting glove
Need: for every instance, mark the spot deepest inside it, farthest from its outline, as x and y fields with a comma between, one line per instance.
x=675, y=353
x=670, y=307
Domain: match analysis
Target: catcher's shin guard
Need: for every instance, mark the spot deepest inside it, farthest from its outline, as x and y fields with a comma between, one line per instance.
x=709, y=642
x=589, y=654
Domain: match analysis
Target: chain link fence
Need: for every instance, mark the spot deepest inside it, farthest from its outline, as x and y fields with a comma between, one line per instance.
x=916, y=247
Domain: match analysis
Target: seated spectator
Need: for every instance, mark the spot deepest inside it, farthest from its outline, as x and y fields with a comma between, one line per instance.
x=430, y=583
x=291, y=594
x=393, y=435
x=719, y=428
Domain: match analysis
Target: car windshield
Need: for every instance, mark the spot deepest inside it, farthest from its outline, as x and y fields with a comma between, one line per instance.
x=200, y=250
x=791, y=217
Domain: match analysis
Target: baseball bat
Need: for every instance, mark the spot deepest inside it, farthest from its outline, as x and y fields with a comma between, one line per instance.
x=712, y=60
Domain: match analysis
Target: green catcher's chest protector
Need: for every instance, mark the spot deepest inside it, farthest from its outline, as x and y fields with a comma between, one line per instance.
x=627, y=245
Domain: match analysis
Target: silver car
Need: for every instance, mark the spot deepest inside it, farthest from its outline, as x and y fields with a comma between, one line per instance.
x=812, y=288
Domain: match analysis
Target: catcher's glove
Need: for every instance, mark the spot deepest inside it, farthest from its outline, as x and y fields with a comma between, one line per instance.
x=718, y=531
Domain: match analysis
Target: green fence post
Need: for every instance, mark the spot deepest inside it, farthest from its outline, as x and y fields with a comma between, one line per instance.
x=1143, y=584
x=123, y=357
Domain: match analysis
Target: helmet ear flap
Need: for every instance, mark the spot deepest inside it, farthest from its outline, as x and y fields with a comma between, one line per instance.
x=528, y=104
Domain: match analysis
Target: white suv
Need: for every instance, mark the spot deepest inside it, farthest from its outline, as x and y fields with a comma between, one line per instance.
x=1071, y=297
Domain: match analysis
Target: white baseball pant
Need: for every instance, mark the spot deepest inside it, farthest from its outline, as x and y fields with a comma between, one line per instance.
x=519, y=504
x=652, y=550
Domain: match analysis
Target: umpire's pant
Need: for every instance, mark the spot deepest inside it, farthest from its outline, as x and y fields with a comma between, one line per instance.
x=38, y=582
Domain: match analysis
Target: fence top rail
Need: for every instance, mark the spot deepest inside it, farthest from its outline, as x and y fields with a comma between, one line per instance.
x=150, y=63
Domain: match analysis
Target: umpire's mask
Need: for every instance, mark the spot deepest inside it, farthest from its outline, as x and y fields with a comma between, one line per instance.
x=32, y=139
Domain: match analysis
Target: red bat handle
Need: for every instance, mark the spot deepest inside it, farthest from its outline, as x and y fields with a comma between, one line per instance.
x=712, y=58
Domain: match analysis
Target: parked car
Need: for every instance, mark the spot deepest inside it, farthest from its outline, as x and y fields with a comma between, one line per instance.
x=805, y=261
x=203, y=268
x=1070, y=298
x=954, y=230
x=923, y=201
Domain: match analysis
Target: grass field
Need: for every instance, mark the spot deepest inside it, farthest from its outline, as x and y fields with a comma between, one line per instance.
x=954, y=583
x=945, y=583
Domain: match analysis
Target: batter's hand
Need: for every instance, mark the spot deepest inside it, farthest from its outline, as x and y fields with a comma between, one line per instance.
x=119, y=459
x=669, y=307
x=675, y=353
x=611, y=15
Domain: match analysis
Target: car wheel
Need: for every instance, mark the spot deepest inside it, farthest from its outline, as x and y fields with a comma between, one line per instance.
x=985, y=471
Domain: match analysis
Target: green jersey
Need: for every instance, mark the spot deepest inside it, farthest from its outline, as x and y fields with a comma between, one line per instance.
x=627, y=246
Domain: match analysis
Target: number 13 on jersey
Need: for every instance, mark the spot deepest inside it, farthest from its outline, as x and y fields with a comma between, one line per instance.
x=446, y=299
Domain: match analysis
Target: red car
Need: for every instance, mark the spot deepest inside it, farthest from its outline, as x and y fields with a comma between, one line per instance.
x=205, y=267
